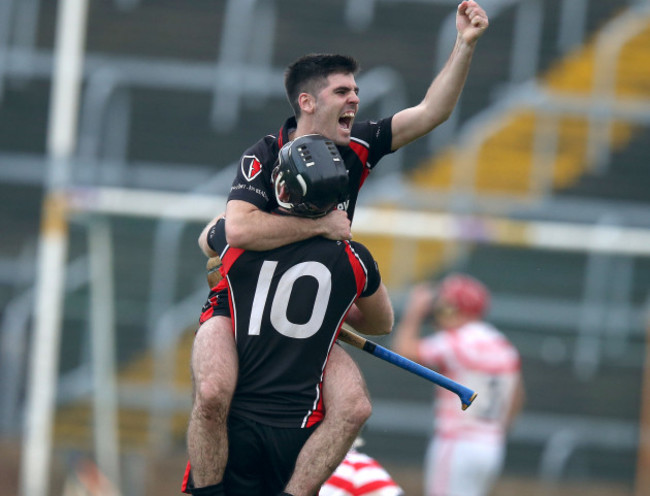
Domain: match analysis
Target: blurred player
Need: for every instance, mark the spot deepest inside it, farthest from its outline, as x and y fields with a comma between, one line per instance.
x=323, y=94
x=467, y=451
x=288, y=304
x=360, y=475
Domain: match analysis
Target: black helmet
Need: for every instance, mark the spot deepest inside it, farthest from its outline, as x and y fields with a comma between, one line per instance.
x=310, y=178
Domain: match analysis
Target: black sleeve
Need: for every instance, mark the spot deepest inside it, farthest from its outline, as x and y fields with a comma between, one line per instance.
x=372, y=269
x=253, y=180
x=379, y=137
x=217, y=236
x=382, y=139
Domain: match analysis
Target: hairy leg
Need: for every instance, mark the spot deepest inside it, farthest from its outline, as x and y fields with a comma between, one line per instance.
x=347, y=404
x=214, y=376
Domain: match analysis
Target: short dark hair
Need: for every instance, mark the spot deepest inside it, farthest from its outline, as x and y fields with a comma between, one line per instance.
x=309, y=73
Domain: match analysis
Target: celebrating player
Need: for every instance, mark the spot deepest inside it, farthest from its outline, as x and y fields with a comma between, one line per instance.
x=288, y=304
x=466, y=454
x=324, y=96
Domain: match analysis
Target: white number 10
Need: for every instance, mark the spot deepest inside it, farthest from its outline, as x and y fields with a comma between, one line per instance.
x=280, y=302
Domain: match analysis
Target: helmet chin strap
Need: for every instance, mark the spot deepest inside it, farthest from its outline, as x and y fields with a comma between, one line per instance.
x=303, y=184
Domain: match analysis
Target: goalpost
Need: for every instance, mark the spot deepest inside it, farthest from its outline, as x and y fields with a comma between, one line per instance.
x=52, y=250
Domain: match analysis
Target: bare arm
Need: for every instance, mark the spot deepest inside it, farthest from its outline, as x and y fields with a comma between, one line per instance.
x=441, y=97
x=250, y=228
x=406, y=340
x=373, y=314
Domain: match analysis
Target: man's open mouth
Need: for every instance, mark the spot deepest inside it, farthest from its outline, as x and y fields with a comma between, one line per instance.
x=346, y=120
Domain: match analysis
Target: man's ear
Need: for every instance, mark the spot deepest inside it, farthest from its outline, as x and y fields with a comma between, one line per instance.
x=307, y=103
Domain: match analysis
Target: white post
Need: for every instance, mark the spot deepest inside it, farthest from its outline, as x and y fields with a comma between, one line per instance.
x=44, y=363
x=105, y=423
x=53, y=245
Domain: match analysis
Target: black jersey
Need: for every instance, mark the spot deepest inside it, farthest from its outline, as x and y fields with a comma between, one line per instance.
x=287, y=306
x=370, y=142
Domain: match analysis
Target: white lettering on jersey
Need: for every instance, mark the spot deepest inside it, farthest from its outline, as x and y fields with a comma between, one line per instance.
x=281, y=299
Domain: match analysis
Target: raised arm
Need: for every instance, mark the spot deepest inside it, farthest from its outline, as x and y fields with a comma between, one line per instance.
x=406, y=340
x=250, y=228
x=443, y=93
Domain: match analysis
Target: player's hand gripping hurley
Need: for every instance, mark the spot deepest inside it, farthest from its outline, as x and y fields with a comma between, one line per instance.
x=347, y=335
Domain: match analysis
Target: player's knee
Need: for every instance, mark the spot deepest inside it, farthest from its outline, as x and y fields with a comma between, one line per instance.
x=212, y=400
x=353, y=411
x=351, y=404
x=361, y=410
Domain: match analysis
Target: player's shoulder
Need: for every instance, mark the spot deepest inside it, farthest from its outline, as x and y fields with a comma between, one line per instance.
x=333, y=248
x=482, y=334
x=367, y=131
x=481, y=328
x=481, y=331
x=360, y=248
x=256, y=164
x=363, y=126
x=364, y=255
x=264, y=149
x=316, y=248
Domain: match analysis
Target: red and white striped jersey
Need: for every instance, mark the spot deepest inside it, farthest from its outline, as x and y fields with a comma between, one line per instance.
x=480, y=357
x=360, y=475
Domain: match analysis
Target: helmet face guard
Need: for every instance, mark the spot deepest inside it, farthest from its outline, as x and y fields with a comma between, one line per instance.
x=310, y=178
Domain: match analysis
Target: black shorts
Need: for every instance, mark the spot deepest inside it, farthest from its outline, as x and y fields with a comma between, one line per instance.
x=261, y=458
x=216, y=304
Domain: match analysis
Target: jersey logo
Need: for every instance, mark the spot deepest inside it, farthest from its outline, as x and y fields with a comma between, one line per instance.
x=250, y=167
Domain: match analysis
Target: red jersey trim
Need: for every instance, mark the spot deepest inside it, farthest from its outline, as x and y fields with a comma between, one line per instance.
x=358, y=269
x=362, y=152
x=229, y=257
x=207, y=315
x=319, y=412
x=281, y=137
x=186, y=478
